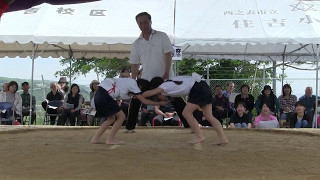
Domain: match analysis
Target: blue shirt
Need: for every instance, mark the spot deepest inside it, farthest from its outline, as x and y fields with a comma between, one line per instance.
x=308, y=102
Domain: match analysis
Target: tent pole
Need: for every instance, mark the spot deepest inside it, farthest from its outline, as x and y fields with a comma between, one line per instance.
x=174, y=22
x=283, y=57
x=174, y=34
x=315, y=123
x=70, y=71
x=30, y=108
x=208, y=74
x=274, y=76
x=264, y=76
x=71, y=57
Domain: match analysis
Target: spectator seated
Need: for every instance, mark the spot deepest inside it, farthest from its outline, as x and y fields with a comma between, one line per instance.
x=52, y=110
x=166, y=116
x=7, y=115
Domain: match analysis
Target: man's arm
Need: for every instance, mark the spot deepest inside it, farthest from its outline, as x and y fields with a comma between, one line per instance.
x=134, y=70
x=168, y=65
x=158, y=111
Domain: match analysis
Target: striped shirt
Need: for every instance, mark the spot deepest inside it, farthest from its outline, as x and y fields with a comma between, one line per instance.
x=287, y=102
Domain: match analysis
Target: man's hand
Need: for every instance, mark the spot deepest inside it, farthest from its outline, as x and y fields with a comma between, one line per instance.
x=219, y=108
x=286, y=109
x=169, y=114
x=144, y=110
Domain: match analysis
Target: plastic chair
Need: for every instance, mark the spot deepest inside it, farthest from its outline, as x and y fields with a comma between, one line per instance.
x=5, y=106
x=53, y=105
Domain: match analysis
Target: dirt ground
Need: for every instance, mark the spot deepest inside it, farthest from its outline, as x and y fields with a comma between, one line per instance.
x=158, y=153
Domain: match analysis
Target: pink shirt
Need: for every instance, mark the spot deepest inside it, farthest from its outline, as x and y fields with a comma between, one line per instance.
x=261, y=118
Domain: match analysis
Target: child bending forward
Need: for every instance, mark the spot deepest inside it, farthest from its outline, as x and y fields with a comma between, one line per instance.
x=107, y=108
x=200, y=96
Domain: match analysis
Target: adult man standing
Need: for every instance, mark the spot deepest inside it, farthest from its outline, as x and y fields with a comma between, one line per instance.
x=153, y=51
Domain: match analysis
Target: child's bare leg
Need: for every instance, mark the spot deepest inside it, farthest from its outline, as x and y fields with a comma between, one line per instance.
x=194, y=125
x=103, y=127
x=207, y=113
x=115, y=128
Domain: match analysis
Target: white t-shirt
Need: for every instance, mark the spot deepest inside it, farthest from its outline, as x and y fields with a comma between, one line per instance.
x=151, y=54
x=120, y=88
x=173, y=89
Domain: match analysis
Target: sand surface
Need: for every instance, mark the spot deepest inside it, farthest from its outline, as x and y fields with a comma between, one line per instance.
x=158, y=153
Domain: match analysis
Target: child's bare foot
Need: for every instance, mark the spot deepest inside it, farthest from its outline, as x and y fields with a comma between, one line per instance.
x=197, y=140
x=130, y=131
x=96, y=141
x=221, y=142
x=114, y=142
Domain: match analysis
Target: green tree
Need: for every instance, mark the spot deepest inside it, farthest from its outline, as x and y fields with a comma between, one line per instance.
x=104, y=67
x=225, y=70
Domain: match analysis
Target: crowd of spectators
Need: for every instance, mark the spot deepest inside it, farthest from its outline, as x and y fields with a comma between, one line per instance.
x=236, y=110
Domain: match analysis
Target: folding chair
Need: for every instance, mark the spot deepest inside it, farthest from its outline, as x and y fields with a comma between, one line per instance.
x=26, y=116
x=53, y=105
x=4, y=107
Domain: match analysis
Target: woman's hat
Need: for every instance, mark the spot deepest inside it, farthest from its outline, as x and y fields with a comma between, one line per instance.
x=92, y=82
x=267, y=87
x=63, y=80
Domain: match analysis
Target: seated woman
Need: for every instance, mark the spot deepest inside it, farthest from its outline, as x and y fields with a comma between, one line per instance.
x=53, y=95
x=266, y=119
x=287, y=102
x=240, y=119
x=300, y=119
x=12, y=96
x=71, y=106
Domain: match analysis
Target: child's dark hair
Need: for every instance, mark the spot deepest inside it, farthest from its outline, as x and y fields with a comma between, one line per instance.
x=240, y=103
x=143, y=84
x=268, y=105
x=156, y=82
x=243, y=86
x=299, y=103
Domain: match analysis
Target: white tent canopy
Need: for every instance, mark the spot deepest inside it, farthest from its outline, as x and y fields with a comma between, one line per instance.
x=244, y=29
x=248, y=29
x=101, y=29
